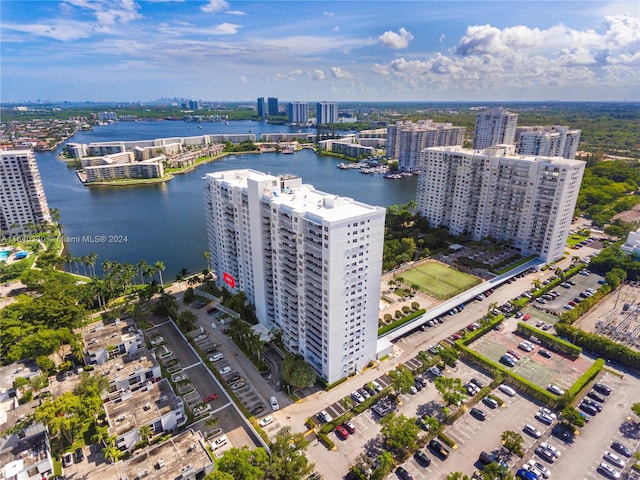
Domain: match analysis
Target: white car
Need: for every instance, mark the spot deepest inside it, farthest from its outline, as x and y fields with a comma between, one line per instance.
x=357, y=397
x=608, y=471
x=225, y=370
x=274, y=403
x=546, y=473
x=507, y=390
x=266, y=421
x=546, y=411
x=544, y=418
x=216, y=357
x=219, y=442
x=377, y=386
x=531, y=430
x=614, y=459
x=551, y=448
x=555, y=389
x=324, y=415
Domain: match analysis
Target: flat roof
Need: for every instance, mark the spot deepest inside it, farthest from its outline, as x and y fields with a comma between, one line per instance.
x=100, y=336
x=176, y=458
x=141, y=407
x=127, y=365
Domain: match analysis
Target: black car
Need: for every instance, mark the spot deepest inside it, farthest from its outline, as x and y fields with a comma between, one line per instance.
x=593, y=395
x=403, y=474
x=563, y=432
x=595, y=405
x=586, y=408
x=256, y=410
x=78, y=455
x=477, y=413
x=477, y=382
x=602, y=388
x=545, y=454
x=438, y=448
x=369, y=389
x=422, y=458
x=621, y=449
x=421, y=381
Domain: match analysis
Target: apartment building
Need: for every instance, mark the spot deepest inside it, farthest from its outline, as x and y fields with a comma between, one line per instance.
x=155, y=405
x=494, y=127
x=262, y=110
x=298, y=112
x=182, y=457
x=22, y=199
x=104, y=342
x=406, y=140
x=152, y=168
x=326, y=112
x=129, y=373
x=26, y=454
x=548, y=140
x=309, y=261
x=528, y=201
x=273, y=109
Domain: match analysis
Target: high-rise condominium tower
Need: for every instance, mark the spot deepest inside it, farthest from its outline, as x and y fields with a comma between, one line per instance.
x=526, y=200
x=262, y=111
x=326, y=112
x=272, y=107
x=309, y=261
x=22, y=199
x=298, y=112
x=494, y=127
x=406, y=140
x=549, y=140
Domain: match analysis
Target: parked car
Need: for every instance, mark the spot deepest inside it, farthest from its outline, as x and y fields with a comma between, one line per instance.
x=490, y=402
x=376, y=386
x=216, y=357
x=225, y=370
x=555, y=389
x=544, y=418
x=403, y=474
x=544, y=353
x=531, y=430
x=67, y=459
x=211, y=397
x=439, y=448
x=585, y=407
x=324, y=416
x=273, y=401
x=593, y=395
x=78, y=455
x=266, y=421
x=620, y=448
x=537, y=465
x=526, y=474
x=545, y=454
x=219, y=442
x=422, y=458
x=477, y=413
x=603, y=389
x=506, y=389
x=342, y=432
x=614, y=459
x=350, y=427
x=551, y=448
x=608, y=472
x=357, y=397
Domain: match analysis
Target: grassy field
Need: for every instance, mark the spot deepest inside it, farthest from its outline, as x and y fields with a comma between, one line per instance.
x=439, y=280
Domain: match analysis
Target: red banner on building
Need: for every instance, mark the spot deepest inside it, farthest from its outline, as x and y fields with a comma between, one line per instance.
x=229, y=280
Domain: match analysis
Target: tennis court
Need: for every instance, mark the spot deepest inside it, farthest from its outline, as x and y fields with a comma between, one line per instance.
x=438, y=280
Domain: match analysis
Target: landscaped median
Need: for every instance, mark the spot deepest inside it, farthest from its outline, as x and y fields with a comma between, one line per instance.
x=551, y=341
x=400, y=322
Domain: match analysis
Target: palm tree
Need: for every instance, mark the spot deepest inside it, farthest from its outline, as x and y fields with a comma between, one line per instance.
x=159, y=267
x=145, y=432
x=536, y=283
x=211, y=422
x=207, y=256
x=91, y=261
x=560, y=273
x=84, y=260
x=142, y=267
x=101, y=435
x=68, y=259
x=111, y=453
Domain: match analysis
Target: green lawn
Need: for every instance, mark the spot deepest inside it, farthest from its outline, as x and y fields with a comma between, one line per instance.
x=439, y=280
x=574, y=239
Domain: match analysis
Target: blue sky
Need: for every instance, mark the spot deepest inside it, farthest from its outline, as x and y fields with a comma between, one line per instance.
x=126, y=50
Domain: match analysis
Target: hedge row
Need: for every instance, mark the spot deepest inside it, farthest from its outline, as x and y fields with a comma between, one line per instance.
x=513, y=378
x=324, y=438
x=586, y=305
x=402, y=321
x=447, y=440
x=600, y=345
x=470, y=337
x=557, y=281
x=584, y=379
x=552, y=341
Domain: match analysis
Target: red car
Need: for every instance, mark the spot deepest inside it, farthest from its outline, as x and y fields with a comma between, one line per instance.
x=526, y=317
x=513, y=354
x=342, y=432
x=211, y=397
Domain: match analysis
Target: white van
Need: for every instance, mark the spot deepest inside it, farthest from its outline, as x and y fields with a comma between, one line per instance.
x=507, y=390
x=274, y=403
x=216, y=357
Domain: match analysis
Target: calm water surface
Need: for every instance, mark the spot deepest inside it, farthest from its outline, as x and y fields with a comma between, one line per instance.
x=165, y=222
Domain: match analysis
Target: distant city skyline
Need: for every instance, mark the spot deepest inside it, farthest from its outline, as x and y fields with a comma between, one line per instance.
x=126, y=50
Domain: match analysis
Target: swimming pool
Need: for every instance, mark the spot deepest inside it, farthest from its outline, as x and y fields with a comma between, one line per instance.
x=4, y=254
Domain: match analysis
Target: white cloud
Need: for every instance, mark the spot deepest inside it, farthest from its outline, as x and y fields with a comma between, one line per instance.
x=335, y=29
x=243, y=79
x=225, y=29
x=215, y=6
x=328, y=14
x=109, y=12
x=317, y=74
x=340, y=74
x=235, y=12
x=63, y=30
x=396, y=40
x=291, y=76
